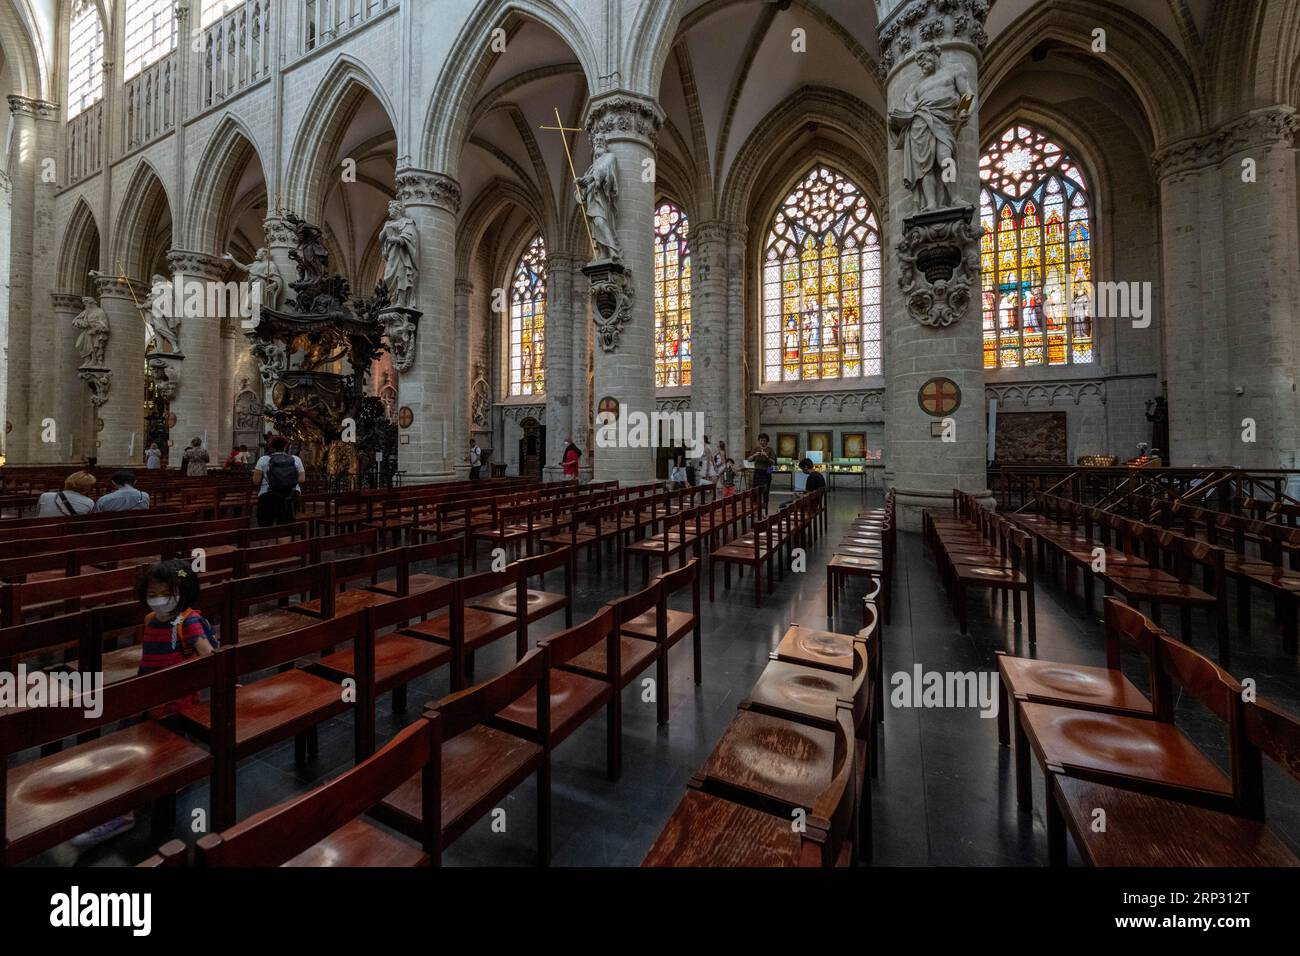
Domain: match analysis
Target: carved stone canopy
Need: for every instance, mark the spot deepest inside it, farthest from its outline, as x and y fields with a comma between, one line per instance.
x=939, y=264
x=612, y=294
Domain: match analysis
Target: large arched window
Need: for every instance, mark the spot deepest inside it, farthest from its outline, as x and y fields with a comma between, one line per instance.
x=1036, y=254
x=150, y=34
x=528, y=322
x=672, y=297
x=85, y=58
x=821, y=283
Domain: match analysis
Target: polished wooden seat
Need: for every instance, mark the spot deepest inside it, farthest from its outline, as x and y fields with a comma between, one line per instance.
x=771, y=768
x=1149, y=754
x=575, y=693
x=1169, y=830
x=326, y=828
x=470, y=628
x=753, y=550
x=1148, y=831
x=1105, y=689
x=56, y=796
x=480, y=764
x=287, y=704
x=636, y=652
x=536, y=604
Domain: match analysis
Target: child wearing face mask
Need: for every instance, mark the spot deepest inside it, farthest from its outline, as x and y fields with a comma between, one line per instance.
x=174, y=631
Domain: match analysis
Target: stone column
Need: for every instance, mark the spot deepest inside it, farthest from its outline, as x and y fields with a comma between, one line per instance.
x=739, y=442
x=74, y=441
x=1231, y=354
x=22, y=442
x=625, y=372
x=431, y=199
x=200, y=397
x=943, y=341
x=463, y=293
x=710, y=353
x=581, y=410
x=123, y=412
x=560, y=398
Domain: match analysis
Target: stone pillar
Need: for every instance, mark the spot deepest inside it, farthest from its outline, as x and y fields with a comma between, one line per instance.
x=625, y=372
x=581, y=410
x=710, y=353
x=121, y=441
x=1231, y=355
x=201, y=397
x=924, y=344
x=560, y=398
x=431, y=199
x=739, y=442
x=22, y=442
x=463, y=292
x=74, y=441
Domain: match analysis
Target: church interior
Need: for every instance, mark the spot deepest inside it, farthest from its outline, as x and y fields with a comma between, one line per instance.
x=650, y=433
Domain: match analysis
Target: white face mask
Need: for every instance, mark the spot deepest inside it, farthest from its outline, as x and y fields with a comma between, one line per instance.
x=162, y=606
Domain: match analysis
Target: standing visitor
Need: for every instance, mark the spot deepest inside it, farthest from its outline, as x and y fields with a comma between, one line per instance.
x=572, y=455
x=729, y=479
x=278, y=477
x=153, y=457
x=762, y=459
x=475, y=460
x=708, y=464
x=677, y=473
x=196, y=459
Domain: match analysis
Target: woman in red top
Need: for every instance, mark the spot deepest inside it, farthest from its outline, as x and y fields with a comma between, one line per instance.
x=571, y=457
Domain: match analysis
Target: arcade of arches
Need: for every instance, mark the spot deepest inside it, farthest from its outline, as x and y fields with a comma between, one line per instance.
x=905, y=239
x=761, y=193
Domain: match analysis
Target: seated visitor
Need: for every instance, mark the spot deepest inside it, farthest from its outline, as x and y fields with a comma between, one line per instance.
x=279, y=477
x=815, y=480
x=174, y=631
x=74, y=499
x=124, y=496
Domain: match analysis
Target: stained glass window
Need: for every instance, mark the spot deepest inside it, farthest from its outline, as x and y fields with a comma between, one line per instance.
x=672, y=297
x=528, y=322
x=821, y=283
x=1036, y=254
x=85, y=58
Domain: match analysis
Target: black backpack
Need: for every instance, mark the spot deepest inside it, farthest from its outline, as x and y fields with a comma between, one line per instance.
x=281, y=474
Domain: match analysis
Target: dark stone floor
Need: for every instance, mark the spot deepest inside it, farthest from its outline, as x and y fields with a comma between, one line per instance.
x=945, y=794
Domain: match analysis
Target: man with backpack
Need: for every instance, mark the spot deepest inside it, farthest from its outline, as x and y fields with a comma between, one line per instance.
x=279, y=477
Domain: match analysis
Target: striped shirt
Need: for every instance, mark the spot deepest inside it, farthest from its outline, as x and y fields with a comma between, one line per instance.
x=171, y=642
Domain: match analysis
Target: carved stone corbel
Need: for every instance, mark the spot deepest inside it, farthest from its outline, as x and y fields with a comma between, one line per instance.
x=100, y=381
x=401, y=326
x=612, y=294
x=939, y=264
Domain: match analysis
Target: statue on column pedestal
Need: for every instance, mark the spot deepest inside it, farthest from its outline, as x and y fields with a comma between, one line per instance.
x=92, y=342
x=264, y=276
x=401, y=242
x=597, y=190
x=934, y=111
x=160, y=315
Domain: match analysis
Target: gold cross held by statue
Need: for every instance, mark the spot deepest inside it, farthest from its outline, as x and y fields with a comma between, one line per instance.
x=560, y=128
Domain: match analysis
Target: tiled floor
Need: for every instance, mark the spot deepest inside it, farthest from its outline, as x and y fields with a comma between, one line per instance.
x=944, y=795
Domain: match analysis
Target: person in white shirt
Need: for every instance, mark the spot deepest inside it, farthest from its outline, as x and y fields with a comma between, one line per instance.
x=278, y=477
x=475, y=460
x=153, y=457
x=124, y=496
x=74, y=499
